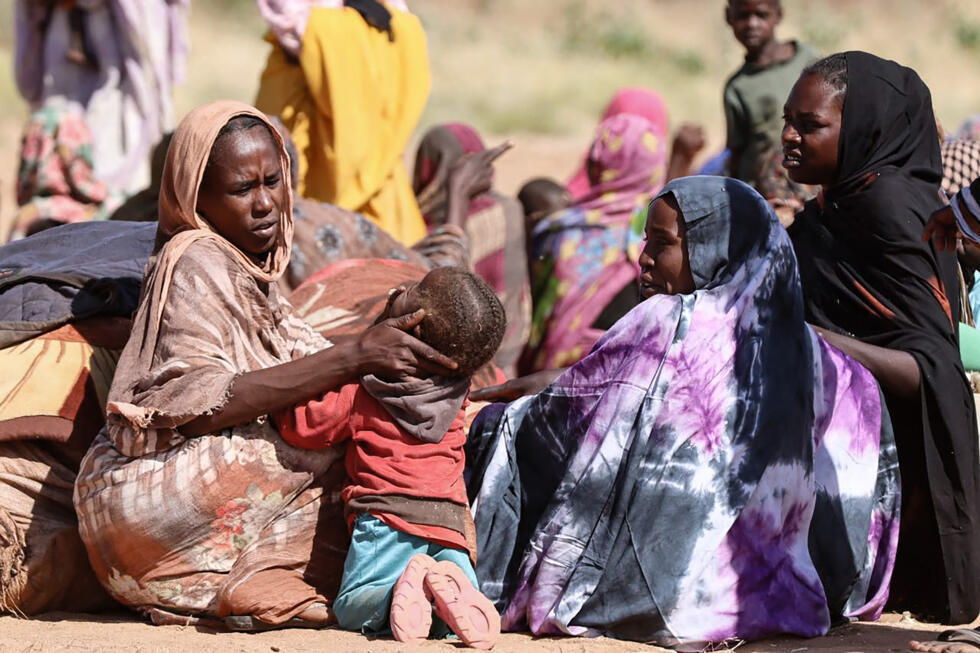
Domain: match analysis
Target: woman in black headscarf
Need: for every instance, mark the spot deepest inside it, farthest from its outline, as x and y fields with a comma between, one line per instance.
x=863, y=129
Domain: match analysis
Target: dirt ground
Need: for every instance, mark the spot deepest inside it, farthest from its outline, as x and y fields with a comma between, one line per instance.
x=63, y=632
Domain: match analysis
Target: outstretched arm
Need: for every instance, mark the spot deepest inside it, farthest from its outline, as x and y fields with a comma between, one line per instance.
x=385, y=349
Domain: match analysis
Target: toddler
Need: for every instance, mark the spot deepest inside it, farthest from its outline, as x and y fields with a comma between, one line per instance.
x=541, y=197
x=412, y=535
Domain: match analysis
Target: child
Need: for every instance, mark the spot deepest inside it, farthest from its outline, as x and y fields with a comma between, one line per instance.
x=405, y=499
x=540, y=197
x=755, y=94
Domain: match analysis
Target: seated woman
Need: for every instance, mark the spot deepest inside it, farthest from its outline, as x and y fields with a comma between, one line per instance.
x=712, y=469
x=863, y=128
x=583, y=259
x=189, y=502
x=493, y=223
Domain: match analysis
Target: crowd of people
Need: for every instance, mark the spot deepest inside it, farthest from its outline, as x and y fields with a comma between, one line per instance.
x=259, y=375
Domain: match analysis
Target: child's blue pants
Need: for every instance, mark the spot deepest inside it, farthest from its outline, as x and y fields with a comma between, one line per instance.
x=377, y=557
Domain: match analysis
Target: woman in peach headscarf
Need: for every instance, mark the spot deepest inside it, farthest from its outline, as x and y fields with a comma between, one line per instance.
x=190, y=504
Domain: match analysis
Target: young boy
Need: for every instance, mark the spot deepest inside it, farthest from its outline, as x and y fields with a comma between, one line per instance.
x=755, y=94
x=406, y=504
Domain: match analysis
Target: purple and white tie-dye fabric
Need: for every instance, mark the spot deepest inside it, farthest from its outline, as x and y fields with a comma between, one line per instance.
x=710, y=470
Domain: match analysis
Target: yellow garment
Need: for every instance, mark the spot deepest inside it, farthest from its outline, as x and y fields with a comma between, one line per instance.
x=351, y=105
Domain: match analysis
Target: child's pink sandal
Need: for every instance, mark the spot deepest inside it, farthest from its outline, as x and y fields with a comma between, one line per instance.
x=411, y=610
x=464, y=609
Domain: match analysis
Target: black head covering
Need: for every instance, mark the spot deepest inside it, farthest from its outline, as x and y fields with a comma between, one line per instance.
x=866, y=273
x=887, y=122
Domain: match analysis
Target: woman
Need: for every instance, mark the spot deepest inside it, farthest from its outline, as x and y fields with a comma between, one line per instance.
x=710, y=470
x=350, y=83
x=583, y=259
x=863, y=129
x=119, y=59
x=642, y=102
x=189, y=502
x=494, y=225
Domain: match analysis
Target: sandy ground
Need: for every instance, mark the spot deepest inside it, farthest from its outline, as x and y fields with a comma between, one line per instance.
x=59, y=632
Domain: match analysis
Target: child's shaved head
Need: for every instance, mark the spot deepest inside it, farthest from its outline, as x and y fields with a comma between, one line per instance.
x=463, y=317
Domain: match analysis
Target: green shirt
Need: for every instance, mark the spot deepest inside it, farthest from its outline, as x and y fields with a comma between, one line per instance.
x=754, y=99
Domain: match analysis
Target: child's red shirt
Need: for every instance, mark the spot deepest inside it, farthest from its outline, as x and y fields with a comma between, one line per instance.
x=391, y=474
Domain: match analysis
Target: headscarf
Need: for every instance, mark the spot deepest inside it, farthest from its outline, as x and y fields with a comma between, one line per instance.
x=583, y=257
x=633, y=101
x=55, y=181
x=961, y=164
x=682, y=482
x=439, y=149
x=867, y=273
x=180, y=225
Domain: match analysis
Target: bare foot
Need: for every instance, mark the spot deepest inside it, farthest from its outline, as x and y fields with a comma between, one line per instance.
x=942, y=647
x=317, y=613
x=961, y=640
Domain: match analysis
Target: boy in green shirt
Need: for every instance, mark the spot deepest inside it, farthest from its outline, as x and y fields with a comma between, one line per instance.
x=755, y=94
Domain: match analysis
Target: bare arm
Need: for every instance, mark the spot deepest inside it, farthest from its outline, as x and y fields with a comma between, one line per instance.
x=519, y=387
x=896, y=371
x=384, y=349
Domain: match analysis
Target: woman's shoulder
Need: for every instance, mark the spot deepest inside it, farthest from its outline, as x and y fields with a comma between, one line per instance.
x=207, y=254
x=207, y=262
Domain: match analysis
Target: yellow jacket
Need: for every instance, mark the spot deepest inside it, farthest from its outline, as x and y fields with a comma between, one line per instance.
x=351, y=105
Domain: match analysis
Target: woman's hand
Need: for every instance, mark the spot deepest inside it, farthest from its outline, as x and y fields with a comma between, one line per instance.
x=941, y=228
x=387, y=349
x=517, y=388
x=688, y=141
x=471, y=175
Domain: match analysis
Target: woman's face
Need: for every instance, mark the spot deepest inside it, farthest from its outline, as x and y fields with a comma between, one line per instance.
x=665, y=268
x=811, y=131
x=242, y=194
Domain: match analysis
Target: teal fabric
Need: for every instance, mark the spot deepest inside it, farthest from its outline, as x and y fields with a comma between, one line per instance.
x=377, y=557
x=970, y=347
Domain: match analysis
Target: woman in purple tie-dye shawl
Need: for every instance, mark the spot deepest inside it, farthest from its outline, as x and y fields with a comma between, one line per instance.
x=710, y=470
